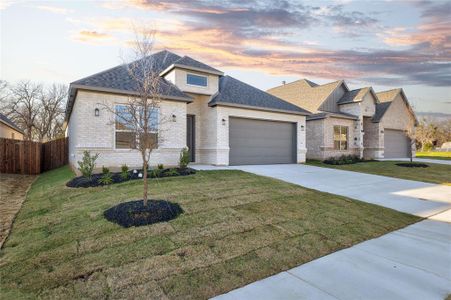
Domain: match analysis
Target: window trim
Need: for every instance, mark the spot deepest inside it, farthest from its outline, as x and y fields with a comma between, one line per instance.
x=195, y=85
x=340, y=140
x=121, y=130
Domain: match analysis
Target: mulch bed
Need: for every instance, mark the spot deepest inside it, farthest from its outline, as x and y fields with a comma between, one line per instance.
x=412, y=165
x=134, y=213
x=94, y=181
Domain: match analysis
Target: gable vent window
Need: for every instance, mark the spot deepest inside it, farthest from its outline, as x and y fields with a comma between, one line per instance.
x=340, y=137
x=196, y=80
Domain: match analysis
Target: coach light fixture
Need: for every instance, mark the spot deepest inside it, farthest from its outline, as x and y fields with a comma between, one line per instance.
x=96, y=112
x=174, y=118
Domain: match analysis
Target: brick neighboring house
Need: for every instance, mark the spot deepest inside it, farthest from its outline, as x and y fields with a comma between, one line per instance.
x=358, y=122
x=9, y=130
x=222, y=120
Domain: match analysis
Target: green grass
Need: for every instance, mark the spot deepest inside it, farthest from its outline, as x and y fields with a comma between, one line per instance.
x=435, y=173
x=434, y=155
x=237, y=228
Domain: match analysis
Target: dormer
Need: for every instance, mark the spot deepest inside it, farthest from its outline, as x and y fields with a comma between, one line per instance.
x=192, y=76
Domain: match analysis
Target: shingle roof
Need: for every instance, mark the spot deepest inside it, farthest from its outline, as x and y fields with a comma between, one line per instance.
x=5, y=120
x=381, y=108
x=231, y=91
x=387, y=96
x=118, y=78
x=354, y=95
x=324, y=115
x=237, y=93
x=192, y=63
x=311, y=95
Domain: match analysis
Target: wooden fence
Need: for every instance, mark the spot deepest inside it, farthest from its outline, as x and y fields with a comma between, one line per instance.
x=26, y=157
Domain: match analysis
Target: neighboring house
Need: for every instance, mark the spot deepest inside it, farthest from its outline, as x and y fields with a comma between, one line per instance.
x=351, y=122
x=222, y=120
x=9, y=130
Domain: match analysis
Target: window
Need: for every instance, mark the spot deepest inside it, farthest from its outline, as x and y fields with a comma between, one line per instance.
x=198, y=80
x=125, y=129
x=340, y=137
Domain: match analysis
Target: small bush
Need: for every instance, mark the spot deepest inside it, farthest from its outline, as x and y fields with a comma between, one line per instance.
x=107, y=177
x=155, y=173
x=124, y=172
x=160, y=166
x=172, y=172
x=87, y=164
x=184, y=158
x=343, y=160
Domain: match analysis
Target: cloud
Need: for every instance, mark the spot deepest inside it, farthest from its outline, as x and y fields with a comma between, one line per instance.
x=54, y=9
x=92, y=37
x=263, y=36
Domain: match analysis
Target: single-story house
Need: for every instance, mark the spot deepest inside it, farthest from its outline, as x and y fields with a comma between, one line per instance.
x=222, y=120
x=9, y=130
x=352, y=122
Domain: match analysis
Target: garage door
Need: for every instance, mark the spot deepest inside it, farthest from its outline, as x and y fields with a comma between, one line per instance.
x=256, y=142
x=396, y=144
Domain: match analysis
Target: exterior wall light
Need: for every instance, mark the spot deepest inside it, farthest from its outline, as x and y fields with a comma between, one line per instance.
x=174, y=118
x=96, y=112
x=223, y=121
x=302, y=127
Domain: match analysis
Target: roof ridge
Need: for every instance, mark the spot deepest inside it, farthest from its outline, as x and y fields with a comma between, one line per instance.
x=386, y=91
x=122, y=65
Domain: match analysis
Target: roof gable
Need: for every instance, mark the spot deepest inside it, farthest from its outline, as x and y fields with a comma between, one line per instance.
x=310, y=95
x=386, y=98
x=237, y=93
x=357, y=95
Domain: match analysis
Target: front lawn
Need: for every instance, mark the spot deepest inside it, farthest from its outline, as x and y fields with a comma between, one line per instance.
x=434, y=155
x=236, y=228
x=435, y=173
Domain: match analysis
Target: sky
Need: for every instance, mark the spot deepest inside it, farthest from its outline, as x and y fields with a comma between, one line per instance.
x=383, y=44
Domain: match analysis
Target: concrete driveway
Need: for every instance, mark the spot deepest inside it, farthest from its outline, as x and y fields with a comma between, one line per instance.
x=417, y=198
x=410, y=263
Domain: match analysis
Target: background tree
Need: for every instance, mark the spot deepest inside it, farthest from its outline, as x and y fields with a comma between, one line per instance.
x=22, y=105
x=36, y=109
x=50, y=117
x=140, y=115
x=425, y=134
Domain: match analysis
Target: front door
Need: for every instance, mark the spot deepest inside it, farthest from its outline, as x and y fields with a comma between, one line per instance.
x=190, y=136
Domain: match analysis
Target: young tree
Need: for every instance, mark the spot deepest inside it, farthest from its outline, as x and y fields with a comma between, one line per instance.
x=140, y=115
x=425, y=133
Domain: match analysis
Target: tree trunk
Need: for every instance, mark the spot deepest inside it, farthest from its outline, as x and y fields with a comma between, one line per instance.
x=145, y=183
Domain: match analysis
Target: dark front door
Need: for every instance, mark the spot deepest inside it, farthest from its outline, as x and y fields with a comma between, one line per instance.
x=190, y=136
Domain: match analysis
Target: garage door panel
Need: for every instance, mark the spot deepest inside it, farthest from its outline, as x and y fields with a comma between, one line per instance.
x=261, y=142
x=396, y=144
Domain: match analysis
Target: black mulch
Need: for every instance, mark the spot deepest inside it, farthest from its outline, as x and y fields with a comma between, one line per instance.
x=134, y=213
x=84, y=182
x=412, y=165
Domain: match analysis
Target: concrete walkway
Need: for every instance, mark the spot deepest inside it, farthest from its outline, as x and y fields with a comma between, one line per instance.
x=410, y=263
x=422, y=160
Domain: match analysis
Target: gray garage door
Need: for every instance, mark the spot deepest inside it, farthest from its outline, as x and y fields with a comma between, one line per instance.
x=256, y=142
x=396, y=144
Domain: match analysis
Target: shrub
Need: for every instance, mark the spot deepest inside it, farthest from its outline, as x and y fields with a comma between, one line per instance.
x=87, y=164
x=173, y=172
x=343, y=160
x=184, y=158
x=160, y=166
x=155, y=173
x=107, y=177
x=124, y=172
